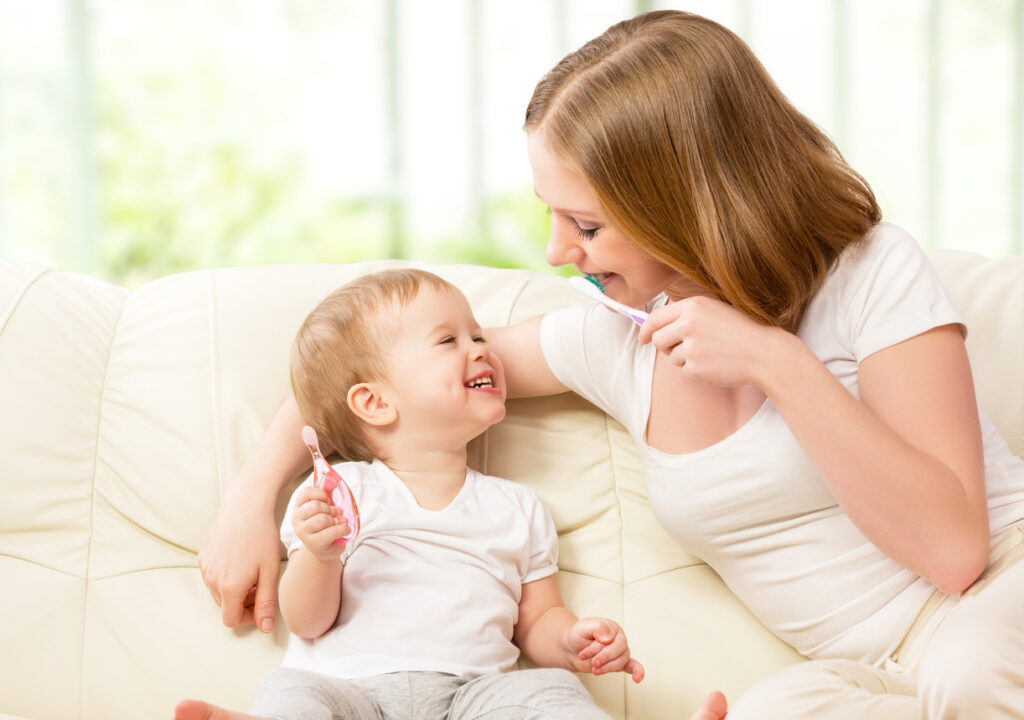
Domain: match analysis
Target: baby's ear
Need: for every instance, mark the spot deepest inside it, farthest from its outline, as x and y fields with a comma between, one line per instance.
x=369, y=404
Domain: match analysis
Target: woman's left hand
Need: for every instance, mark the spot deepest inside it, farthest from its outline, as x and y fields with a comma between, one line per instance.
x=711, y=340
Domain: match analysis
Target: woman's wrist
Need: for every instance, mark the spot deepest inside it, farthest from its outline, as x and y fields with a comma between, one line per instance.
x=258, y=495
x=785, y=362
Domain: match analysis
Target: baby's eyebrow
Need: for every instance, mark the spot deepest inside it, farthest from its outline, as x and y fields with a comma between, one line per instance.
x=438, y=329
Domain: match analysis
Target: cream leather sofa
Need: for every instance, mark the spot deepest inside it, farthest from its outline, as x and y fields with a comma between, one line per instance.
x=123, y=415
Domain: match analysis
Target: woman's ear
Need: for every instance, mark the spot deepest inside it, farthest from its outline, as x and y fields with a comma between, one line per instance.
x=369, y=405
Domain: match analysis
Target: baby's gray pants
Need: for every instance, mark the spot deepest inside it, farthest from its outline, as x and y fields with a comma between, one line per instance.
x=541, y=694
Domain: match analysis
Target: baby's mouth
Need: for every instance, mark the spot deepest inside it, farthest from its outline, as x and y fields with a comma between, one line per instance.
x=485, y=381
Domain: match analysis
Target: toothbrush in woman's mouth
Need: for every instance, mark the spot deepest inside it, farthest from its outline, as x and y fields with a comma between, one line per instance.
x=597, y=279
x=590, y=285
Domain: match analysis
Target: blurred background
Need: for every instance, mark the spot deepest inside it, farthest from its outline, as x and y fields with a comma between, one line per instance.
x=145, y=137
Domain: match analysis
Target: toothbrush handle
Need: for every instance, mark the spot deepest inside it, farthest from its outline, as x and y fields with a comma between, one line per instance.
x=339, y=495
x=637, y=316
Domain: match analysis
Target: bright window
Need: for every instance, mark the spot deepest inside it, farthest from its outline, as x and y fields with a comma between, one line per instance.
x=144, y=137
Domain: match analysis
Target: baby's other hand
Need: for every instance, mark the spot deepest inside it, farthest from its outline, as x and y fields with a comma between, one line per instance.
x=319, y=524
x=600, y=646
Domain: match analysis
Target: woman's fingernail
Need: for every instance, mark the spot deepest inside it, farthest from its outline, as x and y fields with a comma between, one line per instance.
x=267, y=625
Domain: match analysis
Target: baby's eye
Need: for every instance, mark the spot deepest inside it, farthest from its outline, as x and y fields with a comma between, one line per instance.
x=479, y=339
x=447, y=339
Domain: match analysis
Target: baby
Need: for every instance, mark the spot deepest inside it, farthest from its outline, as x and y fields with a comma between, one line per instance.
x=423, y=614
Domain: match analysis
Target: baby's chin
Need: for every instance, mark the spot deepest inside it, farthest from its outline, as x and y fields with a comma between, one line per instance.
x=497, y=417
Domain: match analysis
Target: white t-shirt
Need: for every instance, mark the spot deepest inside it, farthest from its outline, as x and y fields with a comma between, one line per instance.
x=430, y=590
x=752, y=505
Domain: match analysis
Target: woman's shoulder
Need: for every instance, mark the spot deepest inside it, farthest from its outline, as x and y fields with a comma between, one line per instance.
x=886, y=254
x=884, y=243
x=883, y=290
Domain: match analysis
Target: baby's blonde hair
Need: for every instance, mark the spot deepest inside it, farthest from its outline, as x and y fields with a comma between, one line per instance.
x=341, y=343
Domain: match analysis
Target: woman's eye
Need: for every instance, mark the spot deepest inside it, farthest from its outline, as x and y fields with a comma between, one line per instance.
x=586, y=233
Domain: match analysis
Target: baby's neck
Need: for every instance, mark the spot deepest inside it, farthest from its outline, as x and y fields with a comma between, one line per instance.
x=433, y=478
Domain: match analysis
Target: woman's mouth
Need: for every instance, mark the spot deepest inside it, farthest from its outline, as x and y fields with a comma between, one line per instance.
x=598, y=279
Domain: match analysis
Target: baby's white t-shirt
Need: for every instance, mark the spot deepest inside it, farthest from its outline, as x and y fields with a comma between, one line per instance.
x=753, y=506
x=430, y=590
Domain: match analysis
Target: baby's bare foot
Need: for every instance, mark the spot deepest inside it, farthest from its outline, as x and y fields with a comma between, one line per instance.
x=714, y=708
x=199, y=710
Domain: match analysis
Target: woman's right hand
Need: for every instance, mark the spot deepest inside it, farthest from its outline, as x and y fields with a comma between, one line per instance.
x=240, y=559
x=714, y=342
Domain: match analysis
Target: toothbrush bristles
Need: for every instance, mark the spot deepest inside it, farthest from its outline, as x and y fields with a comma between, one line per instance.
x=595, y=281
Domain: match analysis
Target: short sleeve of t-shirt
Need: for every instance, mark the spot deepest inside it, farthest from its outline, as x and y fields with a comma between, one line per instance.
x=543, y=554
x=595, y=353
x=883, y=291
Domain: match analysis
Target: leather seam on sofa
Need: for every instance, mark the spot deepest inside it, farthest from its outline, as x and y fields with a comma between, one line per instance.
x=93, y=498
x=216, y=401
x=19, y=295
x=616, y=488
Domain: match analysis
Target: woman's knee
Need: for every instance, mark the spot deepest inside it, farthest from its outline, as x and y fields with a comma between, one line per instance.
x=967, y=670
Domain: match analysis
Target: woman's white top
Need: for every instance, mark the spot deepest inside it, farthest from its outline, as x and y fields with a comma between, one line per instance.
x=752, y=505
x=430, y=590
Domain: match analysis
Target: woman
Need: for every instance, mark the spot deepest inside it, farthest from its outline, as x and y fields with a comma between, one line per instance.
x=840, y=479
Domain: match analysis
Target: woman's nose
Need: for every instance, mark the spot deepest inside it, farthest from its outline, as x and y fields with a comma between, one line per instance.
x=564, y=245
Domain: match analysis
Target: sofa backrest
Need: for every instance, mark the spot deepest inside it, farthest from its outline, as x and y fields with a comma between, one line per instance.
x=123, y=415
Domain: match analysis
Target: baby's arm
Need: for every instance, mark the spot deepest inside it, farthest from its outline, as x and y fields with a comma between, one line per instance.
x=552, y=636
x=242, y=551
x=311, y=586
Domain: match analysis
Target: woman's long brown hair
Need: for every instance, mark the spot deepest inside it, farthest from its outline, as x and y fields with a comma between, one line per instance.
x=699, y=159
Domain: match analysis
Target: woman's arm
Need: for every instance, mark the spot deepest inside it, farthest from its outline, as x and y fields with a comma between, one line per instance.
x=526, y=371
x=242, y=551
x=904, y=462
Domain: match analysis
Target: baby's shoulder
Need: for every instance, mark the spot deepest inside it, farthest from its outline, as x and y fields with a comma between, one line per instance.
x=512, y=491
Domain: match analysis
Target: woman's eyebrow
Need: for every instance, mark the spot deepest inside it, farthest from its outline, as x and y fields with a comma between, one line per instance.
x=582, y=214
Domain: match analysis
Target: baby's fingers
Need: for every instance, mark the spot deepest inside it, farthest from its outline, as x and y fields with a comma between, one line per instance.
x=324, y=521
x=591, y=650
x=311, y=492
x=333, y=534
x=622, y=663
x=612, y=656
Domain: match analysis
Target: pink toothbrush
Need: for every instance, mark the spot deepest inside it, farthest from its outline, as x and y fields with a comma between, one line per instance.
x=591, y=290
x=324, y=476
